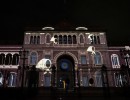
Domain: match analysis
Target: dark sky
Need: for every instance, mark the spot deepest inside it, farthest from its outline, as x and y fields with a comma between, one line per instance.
x=112, y=16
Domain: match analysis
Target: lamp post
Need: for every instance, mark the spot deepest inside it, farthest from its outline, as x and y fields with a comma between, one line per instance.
x=23, y=56
x=77, y=81
x=53, y=73
x=125, y=54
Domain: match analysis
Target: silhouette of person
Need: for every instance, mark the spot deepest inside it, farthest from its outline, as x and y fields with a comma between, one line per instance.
x=33, y=77
x=67, y=82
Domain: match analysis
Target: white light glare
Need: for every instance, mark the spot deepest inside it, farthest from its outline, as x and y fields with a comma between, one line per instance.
x=42, y=33
x=47, y=28
x=81, y=28
x=53, y=40
x=28, y=33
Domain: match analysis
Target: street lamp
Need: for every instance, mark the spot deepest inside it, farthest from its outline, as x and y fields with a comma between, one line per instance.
x=23, y=55
x=125, y=71
x=77, y=83
x=53, y=73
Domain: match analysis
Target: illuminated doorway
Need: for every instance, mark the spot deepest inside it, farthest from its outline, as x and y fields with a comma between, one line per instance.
x=65, y=72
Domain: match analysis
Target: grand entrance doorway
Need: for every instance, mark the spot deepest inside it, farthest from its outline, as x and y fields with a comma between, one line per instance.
x=65, y=72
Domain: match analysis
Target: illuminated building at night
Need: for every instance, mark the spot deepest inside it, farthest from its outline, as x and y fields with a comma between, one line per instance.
x=69, y=54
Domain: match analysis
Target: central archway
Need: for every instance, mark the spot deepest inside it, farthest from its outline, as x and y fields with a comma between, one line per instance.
x=65, y=71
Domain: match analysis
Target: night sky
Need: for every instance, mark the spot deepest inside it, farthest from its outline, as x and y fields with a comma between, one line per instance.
x=112, y=16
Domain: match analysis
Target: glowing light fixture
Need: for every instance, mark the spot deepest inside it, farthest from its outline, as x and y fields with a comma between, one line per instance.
x=81, y=28
x=47, y=28
x=42, y=33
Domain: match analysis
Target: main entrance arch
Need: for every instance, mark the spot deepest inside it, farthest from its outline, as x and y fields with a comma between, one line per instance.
x=65, y=71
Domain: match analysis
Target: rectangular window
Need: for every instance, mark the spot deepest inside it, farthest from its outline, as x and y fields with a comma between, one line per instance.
x=115, y=61
x=98, y=81
x=47, y=81
x=33, y=61
x=96, y=60
x=83, y=59
x=12, y=79
x=118, y=80
x=85, y=81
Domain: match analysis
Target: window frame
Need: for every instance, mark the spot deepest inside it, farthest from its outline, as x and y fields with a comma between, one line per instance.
x=82, y=60
x=97, y=58
x=36, y=58
x=117, y=64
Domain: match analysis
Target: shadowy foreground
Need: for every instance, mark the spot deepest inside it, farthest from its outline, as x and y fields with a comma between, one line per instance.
x=50, y=93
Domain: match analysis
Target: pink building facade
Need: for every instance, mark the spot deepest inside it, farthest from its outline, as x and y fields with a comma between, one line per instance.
x=69, y=55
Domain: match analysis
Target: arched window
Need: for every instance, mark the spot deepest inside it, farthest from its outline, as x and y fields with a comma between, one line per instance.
x=2, y=59
x=97, y=59
x=69, y=39
x=60, y=39
x=56, y=38
x=15, y=60
x=74, y=39
x=31, y=40
x=8, y=59
x=33, y=58
x=1, y=79
x=98, y=79
x=38, y=39
x=12, y=76
x=35, y=40
x=65, y=39
x=81, y=39
x=115, y=61
x=98, y=39
x=95, y=39
x=92, y=39
x=48, y=39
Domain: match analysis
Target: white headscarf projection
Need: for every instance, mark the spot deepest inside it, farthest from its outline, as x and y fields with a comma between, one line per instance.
x=89, y=37
x=53, y=40
x=91, y=49
x=44, y=65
